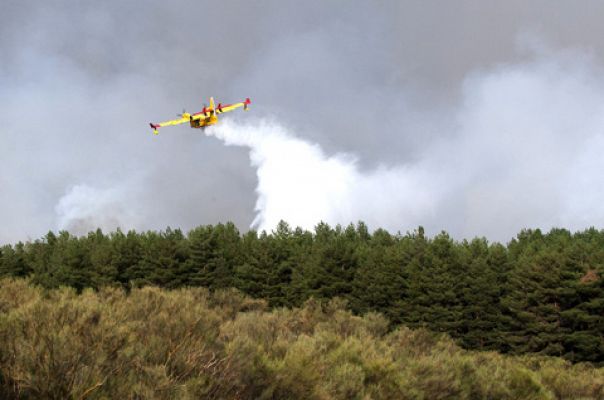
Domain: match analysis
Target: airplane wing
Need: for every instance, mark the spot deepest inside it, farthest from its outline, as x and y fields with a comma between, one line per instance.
x=168, y=123
x=230, y=107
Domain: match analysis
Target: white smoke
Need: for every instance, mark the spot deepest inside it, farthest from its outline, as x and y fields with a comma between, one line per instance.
x=85, y=208
x=300, y=184
x=526, y=152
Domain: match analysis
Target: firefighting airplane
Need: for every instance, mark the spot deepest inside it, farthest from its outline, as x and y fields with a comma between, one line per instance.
x=206, y=117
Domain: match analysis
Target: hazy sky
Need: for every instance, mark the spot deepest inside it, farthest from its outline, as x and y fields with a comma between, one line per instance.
x=475, y=117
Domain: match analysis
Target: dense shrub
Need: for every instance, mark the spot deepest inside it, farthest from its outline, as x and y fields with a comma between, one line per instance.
x=190, y=343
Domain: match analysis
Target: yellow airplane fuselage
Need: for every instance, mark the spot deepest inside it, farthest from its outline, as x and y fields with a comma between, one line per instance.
x=203, y=122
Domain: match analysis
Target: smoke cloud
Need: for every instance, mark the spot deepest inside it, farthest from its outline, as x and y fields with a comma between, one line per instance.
x=525, y=151
x=454, y=116
x=85, y=208
x=299, y=183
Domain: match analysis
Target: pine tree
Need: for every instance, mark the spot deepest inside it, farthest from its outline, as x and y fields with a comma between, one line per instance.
x=582, y=297
x=433, y=299
x=265, y=273
x=12, y=261
x=379, y=283
x=69, y=262
x=37, y=258
x=480, y=294
x=329, y=269
x=214, y=253
x=163, y=255
x=99, y=256
x=534, y=297
x=127, y=252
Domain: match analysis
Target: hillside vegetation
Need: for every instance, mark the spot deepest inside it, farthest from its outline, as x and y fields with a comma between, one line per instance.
x=540, y=293
x=188, y=343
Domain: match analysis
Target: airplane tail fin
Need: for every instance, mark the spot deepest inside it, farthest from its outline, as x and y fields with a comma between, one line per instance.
x=246, y=104
x=211, y=103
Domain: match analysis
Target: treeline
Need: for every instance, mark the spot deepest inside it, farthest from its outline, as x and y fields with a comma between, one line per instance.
x=540, y=293
x=193, y=343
